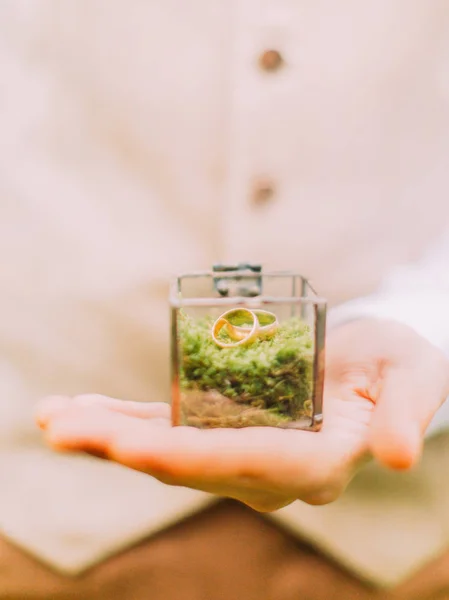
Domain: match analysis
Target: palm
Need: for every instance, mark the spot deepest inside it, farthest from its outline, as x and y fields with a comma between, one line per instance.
x=371, y=376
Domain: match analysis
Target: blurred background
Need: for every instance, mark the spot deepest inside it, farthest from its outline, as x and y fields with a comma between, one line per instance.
x=139, y=139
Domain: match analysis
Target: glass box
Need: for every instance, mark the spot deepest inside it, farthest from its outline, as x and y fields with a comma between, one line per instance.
x=247, y=349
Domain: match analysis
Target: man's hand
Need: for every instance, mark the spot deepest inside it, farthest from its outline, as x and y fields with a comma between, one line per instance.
x=383, y=385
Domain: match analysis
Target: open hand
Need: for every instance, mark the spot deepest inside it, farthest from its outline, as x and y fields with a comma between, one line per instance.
x=383, y=385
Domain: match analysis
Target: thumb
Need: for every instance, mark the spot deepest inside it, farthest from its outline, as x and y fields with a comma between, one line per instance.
x=408, y=399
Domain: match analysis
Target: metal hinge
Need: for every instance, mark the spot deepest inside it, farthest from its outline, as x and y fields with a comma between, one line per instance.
x=240, y=284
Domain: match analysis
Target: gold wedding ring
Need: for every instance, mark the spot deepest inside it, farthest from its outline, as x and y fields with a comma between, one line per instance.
x=244, y=326
x=250, y=333
x=268, y=324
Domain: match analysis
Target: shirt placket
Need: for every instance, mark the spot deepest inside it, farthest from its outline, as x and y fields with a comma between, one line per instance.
x=264, y=75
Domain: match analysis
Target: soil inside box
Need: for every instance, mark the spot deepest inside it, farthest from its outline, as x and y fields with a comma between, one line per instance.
x=267, y=383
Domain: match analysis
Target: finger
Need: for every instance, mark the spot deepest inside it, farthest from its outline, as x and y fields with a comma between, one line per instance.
x=199, y=458
x=408, y=399
x=51, y=406
x=93, y=428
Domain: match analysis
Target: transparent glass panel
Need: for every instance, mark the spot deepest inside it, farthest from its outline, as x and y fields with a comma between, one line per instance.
x=247, y=350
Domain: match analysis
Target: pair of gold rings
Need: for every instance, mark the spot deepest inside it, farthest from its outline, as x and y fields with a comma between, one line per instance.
x=244, y=326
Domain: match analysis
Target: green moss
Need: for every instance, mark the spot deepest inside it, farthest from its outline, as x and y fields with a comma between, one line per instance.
x=266, y=383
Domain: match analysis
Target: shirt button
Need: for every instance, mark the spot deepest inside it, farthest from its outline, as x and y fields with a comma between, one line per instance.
x=271, y=60
x=263, y=192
